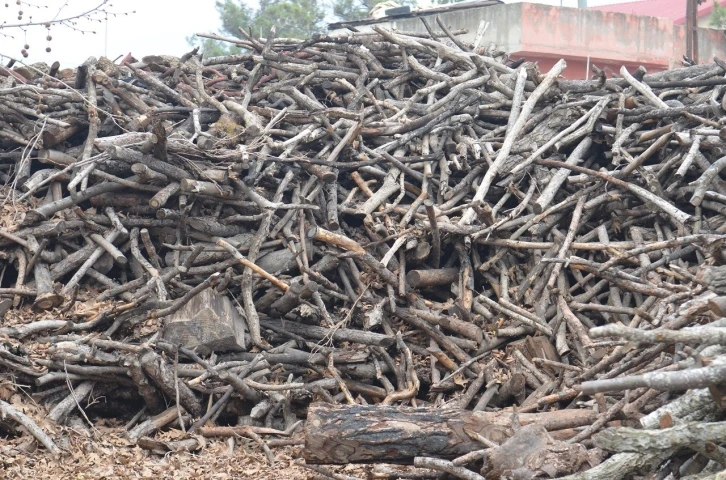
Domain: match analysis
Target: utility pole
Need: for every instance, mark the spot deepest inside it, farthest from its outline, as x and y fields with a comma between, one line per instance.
x=692, y=30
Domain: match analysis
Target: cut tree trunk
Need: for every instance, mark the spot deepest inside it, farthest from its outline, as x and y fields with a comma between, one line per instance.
x=209, y=322
x=340, y=434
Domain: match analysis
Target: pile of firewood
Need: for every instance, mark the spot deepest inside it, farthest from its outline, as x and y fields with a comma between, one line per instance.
x=467, y=267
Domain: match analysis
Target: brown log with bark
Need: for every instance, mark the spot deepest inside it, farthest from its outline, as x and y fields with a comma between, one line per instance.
x=368, y=434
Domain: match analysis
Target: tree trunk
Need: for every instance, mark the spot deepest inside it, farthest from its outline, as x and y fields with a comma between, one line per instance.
x=341, y=434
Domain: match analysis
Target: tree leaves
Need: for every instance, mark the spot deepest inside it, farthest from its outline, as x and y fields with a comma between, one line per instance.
x=291, y=19
x=718, y=16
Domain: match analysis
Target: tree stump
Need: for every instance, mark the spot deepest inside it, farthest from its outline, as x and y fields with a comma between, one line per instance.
x=209, y=322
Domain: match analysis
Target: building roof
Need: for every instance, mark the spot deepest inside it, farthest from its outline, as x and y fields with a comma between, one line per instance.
x=466, y=4
x=673, y=9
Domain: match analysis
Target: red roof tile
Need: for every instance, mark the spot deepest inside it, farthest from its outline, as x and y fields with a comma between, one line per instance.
x=673, y=9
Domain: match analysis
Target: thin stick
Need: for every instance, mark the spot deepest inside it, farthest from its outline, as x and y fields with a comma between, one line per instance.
x=8, y=410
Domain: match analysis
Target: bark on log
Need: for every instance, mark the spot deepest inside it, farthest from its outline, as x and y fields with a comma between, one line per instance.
x=155, y=367
x=715, y=278
x=208, y=323
x=366, y=434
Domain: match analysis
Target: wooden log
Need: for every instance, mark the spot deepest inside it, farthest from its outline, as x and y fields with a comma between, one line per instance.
x=131, y=156
x=73, y=400
x=155, y=423
x=155, y=367
x=531, y=449
x=715, y=278
x=208, y=323
x=376, y=434
x=291, y=298
x=337, y=239
x=46, y=298
x=205, y=188
x=147, y=174
x=54, y=134
x=279, y=261
x=148, y=392
x=340, y=334
x=55, y=157
x=430, y=278
x=163, y=195
x=8, y=411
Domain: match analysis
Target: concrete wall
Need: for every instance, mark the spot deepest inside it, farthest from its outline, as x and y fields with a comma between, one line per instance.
x=579, y=68
x=545, y=34
x=505, y=27
x=599, y=35
x=710, y=42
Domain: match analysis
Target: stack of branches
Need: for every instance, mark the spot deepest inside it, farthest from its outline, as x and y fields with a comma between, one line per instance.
x=397, y=226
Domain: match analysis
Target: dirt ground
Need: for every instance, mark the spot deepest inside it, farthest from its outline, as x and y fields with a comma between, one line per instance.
x=112, y=457
x=106, y=454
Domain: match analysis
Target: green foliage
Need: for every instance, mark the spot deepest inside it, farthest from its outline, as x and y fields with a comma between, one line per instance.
x=718, y=16
x=234, y=15
x=291, y=19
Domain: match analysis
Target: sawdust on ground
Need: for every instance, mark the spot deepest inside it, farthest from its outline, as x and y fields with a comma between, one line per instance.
x=108, y=455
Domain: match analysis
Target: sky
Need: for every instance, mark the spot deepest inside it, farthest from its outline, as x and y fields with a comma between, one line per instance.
x=156, y=27
x=139, y=27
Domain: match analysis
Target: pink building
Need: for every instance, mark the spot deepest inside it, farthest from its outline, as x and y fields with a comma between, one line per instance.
x=673, y=9
x=649, y=33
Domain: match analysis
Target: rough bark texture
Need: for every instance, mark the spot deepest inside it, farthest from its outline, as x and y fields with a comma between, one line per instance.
x=349, y=434
x=208, y=323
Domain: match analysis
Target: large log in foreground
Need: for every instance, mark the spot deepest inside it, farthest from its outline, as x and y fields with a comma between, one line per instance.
x=340, y=434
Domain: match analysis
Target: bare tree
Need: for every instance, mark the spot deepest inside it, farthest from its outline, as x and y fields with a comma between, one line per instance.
x=31, y=15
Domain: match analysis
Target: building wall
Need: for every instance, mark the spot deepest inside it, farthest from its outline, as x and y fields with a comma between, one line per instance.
x=545, y=34
x=599, y=35
x=505, y=24
x=579, y=68
x=710, y=44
